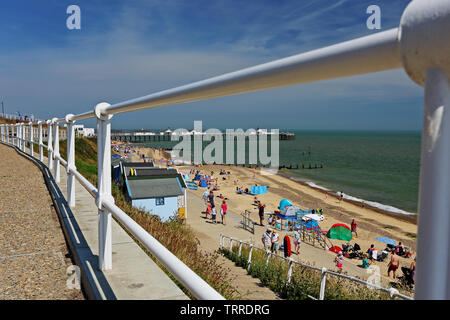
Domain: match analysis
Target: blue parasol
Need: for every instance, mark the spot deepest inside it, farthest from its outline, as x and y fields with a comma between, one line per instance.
x=386, y=240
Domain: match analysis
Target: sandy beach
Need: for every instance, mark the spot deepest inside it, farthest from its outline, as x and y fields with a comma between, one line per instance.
x=371, y=223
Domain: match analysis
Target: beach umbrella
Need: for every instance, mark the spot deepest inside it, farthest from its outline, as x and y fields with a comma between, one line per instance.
x=386, y=240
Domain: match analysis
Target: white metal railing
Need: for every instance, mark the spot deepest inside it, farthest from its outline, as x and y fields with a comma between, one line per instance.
x=392, y=291
x=421, y=45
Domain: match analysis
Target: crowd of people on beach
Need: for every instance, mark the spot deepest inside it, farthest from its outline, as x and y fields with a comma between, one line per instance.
x=211, y=211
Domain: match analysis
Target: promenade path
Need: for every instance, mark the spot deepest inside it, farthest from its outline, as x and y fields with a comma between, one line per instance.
x=33, y=252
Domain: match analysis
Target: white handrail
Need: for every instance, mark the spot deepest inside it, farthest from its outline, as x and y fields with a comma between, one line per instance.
x=368, y=54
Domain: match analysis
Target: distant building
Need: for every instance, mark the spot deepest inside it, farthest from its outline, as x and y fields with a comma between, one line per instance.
x=81, y=131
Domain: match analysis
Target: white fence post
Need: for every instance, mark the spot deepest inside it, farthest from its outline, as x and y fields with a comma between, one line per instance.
x=56, y=169
x=249, y=262
x=70, y=161
x=240, y=248
x=231, y=244
x=31, y=139
x=50, y=144
x=289, y=275
x=424, y=49
x=41, y=148
x=434, y=202
x=104, y=186
x=323, y=282
x=7, y=133
x=3, y=132
x=267, y=257
x=14, y=133
x=22, y=134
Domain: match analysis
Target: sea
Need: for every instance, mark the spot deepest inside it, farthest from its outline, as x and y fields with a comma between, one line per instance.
x=380, y=169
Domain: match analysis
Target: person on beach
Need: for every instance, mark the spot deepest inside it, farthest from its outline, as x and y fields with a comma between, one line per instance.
x=370, y=252
x=208, y=209
x=275, y=243
x=223, y=212
x=213, y=214
x=365, y=262
x=211, y=197
x=270, y=220
x=338, y=260
x=341, y=196
x=205, y=195
x=267, y=239
x=261, y=213
x=353, y=227
x=297, y=239
x=394, y=264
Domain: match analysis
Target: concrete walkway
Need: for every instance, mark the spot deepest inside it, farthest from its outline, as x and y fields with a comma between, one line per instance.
x=134, y=276
x=34, y=257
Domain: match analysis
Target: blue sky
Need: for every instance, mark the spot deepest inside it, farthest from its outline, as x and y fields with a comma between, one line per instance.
x=127, y=49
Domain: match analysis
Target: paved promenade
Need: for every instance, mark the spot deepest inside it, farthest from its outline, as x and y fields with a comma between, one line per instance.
x=33, y=252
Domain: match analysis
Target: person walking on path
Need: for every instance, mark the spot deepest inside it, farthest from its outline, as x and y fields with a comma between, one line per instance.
x=205, y=195
x=261, y=213
x=275, y=241
x=338, y=260
x=353, y=227
x=297, y=240
x=211, y=197
x=267, y=239
x=208, y=209
x=213, y=214
x=223, y=211
x=394, y=264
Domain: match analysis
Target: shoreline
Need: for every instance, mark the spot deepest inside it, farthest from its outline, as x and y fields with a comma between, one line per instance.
x=405, y=217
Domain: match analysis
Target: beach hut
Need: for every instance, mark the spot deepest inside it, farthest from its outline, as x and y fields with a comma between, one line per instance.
x=340, y=231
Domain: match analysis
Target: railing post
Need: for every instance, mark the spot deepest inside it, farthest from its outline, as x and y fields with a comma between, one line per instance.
x=434, y=200
x=56, y=169
x=31, y=139
x=267, y=257
x=7, y=133
x=104, y=186
x=240, y=248
x=14, y=134
x=249, y=262
x=231, y=244
x=424, y=49
x=70, y=161
x=3, y=132
x=50, y=144
x=323, y=282
x=22, y=133
x=41, y=148
x=289, y=275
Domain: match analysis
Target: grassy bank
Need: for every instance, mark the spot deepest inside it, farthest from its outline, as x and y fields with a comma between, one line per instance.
x=177, y=238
